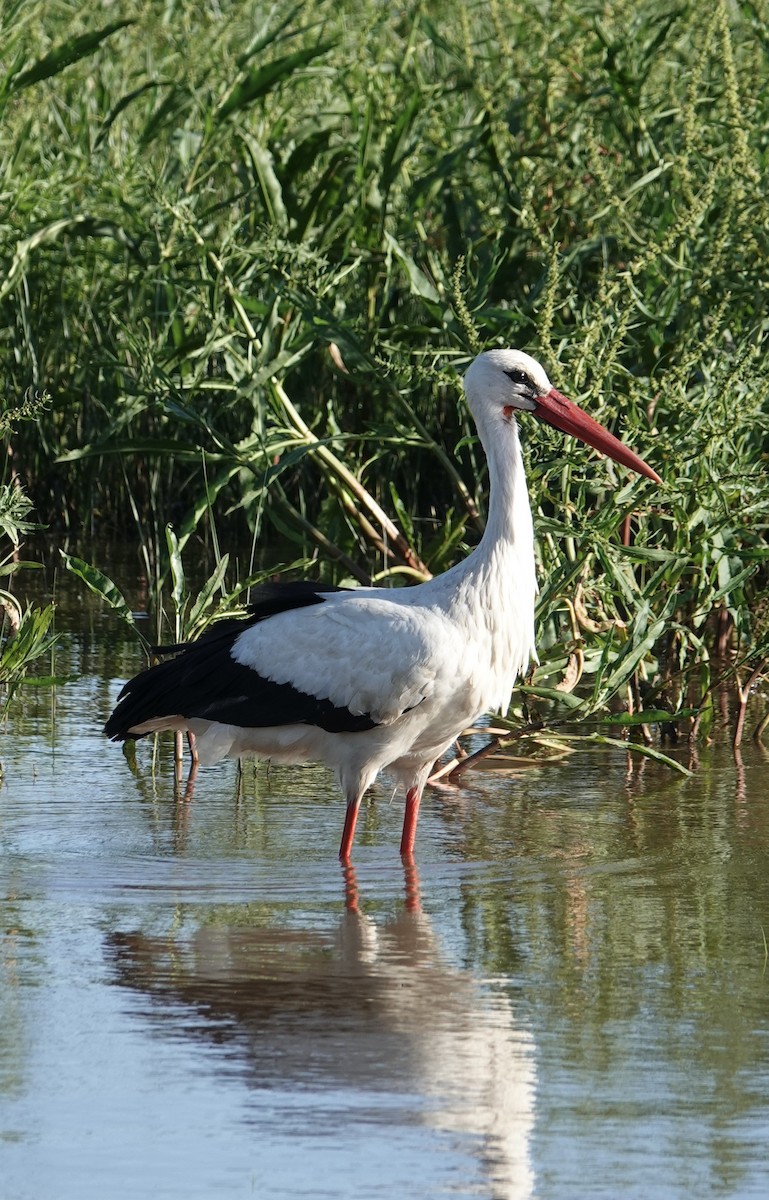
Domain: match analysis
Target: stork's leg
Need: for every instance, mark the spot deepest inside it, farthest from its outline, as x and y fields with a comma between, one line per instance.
x=410, y=818
x=348, y=833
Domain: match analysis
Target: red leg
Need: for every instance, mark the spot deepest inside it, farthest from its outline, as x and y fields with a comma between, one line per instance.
x=348, y=833
x=408, y=837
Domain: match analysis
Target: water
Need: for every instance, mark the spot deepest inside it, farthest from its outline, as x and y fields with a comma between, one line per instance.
x=569, y=996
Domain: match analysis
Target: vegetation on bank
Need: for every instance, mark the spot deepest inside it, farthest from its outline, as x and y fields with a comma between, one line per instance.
x=247, y=250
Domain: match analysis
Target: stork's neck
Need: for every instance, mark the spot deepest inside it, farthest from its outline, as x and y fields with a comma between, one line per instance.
x=497, y=581
x=491, y=594
x=508, y=540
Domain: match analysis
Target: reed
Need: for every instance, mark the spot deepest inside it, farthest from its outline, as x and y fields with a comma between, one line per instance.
x=232, y=256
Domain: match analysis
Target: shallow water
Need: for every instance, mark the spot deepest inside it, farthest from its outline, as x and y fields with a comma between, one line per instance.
x=568, y=997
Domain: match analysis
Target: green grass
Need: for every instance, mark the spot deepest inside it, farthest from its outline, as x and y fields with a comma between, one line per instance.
x=247, y=251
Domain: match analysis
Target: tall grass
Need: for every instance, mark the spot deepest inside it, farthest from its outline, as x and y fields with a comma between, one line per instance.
x=24, y=631
x=247, y=250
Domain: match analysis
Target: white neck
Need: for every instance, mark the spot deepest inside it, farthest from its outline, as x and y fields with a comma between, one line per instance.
x=509, y=524
x=495, y=587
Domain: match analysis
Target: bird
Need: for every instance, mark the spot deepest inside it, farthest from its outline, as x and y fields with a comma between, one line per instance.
x=369, y=679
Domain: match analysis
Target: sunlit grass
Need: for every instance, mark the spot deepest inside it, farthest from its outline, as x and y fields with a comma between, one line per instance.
x=248, y=252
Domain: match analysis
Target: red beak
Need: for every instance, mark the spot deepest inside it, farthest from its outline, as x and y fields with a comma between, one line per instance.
x=564, y=414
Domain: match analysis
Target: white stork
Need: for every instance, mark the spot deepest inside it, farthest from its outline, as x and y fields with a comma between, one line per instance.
x=368, y=679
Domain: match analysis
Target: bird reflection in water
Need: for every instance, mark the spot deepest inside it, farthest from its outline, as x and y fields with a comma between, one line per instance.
x=370, y=1012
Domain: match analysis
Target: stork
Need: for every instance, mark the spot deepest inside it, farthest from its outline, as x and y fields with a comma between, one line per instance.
x=368, y=679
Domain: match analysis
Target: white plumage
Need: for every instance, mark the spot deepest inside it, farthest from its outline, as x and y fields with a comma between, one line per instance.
x=371, y=680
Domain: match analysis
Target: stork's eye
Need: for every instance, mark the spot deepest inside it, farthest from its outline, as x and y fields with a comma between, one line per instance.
x=516, y=375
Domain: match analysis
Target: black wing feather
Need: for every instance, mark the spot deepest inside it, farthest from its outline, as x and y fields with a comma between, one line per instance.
x=205, y=681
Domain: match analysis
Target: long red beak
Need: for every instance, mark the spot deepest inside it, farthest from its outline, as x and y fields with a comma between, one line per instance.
x=564, y=414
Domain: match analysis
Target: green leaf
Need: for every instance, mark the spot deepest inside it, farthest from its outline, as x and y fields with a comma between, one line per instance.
x=205, y=595
x=102, y=585
x=177, y=571
x=261, y=80
x=79, y=226
x=584, y=741
x=133, y=446
x=63, y=56
x=402, y=514
x=271, y=33
x=648, y=716
x=646, y=554
x=122, y=104
x=205, y=502
x=553, y=694
x=600, y=739
x=734, y=582
x=171, y=108
x=420, y=285
x=399, y=145
x=30, y=641
x=270, y=186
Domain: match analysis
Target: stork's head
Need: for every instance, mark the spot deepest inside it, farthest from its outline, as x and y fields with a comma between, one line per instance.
x=500, y=383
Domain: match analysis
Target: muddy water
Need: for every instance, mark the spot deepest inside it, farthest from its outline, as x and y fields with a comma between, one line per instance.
x=568, y=997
